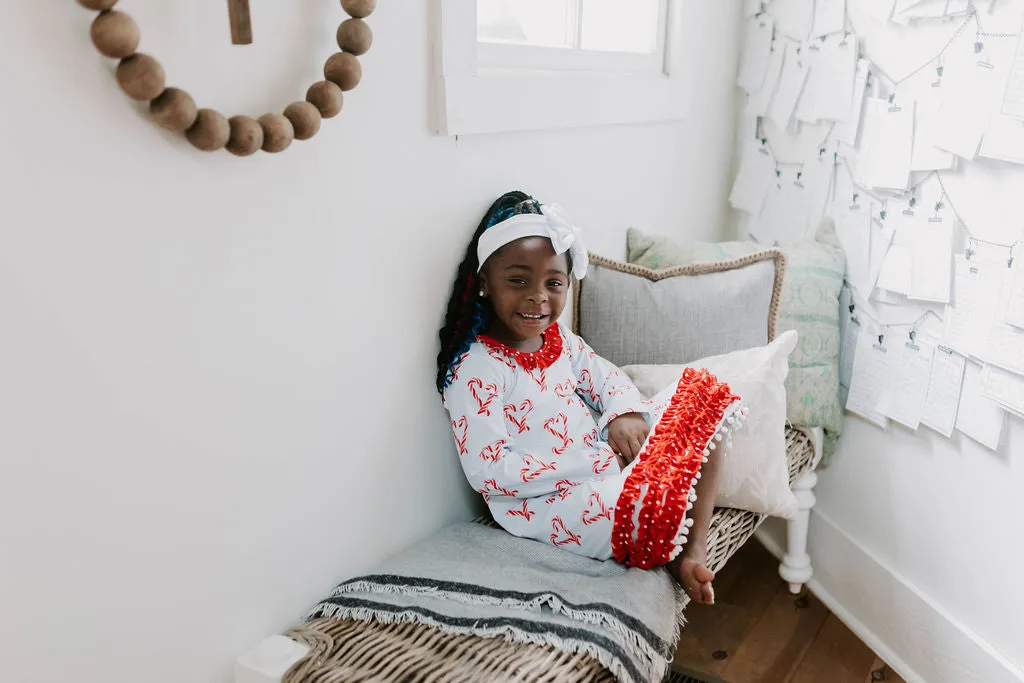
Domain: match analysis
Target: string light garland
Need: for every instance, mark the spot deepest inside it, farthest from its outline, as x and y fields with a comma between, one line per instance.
x=117, y=36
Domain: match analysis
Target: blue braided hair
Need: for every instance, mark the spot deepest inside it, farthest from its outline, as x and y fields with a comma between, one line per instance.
x=468, y=315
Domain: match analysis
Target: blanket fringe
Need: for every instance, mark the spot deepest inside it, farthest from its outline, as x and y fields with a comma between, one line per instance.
x=508, y=632
x=597, y=618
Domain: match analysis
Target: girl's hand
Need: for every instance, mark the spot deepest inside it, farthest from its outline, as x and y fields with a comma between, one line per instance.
x=626, y=435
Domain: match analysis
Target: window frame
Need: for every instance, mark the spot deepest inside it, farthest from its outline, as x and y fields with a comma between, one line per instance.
x=485, y=87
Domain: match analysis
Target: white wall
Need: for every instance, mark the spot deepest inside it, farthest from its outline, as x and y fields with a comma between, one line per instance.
x=920, y=538
x=217, y=374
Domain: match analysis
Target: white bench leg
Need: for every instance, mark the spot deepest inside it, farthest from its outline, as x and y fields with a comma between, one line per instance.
x=796, y=563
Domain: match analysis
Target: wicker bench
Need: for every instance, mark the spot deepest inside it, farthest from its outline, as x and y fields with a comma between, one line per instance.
x=349, y=650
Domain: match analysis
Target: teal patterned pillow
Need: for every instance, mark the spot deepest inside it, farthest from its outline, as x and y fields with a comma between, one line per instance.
x=809, y=305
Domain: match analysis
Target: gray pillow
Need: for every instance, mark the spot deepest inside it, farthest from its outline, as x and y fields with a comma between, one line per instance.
x=633, y=315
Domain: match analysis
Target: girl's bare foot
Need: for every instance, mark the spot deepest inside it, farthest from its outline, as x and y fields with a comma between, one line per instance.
x=690, y=570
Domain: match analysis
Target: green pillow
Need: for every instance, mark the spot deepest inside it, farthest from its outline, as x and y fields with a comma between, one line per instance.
x=809, y=305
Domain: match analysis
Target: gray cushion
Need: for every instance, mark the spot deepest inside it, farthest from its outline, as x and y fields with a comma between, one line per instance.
x=633, y=315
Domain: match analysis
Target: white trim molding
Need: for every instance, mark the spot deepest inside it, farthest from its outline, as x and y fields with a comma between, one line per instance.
x=475, y=95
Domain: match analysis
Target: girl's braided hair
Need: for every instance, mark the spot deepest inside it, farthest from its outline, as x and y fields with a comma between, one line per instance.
x=468, y=314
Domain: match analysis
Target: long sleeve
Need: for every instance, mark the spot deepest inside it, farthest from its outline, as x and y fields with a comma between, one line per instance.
x=605, y=388
x=494, y=460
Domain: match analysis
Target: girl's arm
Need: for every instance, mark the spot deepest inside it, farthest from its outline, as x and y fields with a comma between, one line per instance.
x=490, y=458
x=603, y=386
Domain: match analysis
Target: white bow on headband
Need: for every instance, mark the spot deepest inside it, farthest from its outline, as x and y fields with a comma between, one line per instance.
x=552, y=222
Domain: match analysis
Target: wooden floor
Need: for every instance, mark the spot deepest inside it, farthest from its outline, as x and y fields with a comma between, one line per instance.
x=756, y=632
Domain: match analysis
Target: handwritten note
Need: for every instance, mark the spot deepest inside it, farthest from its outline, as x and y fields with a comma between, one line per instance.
x=887, y=144
x=829, y=17
x=1013, y=97
x=944, y=385
x=907, y=388
x=794, y=75
x=847, y=130
x=979, y=417
x=755, y=177
x=871, y=370
x=758, y=101
x=1015, y=300
x=850, y=334
x=828, y=93
x=932, y=273
x=1005, y=388
x=757, y=45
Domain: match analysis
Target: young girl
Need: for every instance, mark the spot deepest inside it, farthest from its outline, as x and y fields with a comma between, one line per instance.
x=545, y=428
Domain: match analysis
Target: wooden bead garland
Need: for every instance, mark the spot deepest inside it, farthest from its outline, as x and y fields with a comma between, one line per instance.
x=355, y=36
x=278, y=133
x=343, y=70
x=305, y=119
x=327, y=97
x=246, y=136
x=141, y=77
x=210, y=132
x=174, y=110
x=116, y=35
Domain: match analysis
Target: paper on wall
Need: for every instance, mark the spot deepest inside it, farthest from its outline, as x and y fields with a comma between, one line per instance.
x=904, y=396
x=829, y=17
x=751, y=7
x=898, y=264
x=880, y=10
x=1013, y=96
x=1003, y=140
x=783, y=220
x=909, y=10
x=972, y=284
x=846, y=131
x=853, y=229
x=791, y=84
x=755, y=177
x=1001, y=344
x=828, y=94
x=979, y=417
x=887, y=144
x=1014, y=314
x=871, y=371
x=944, y=385
x=926, y=155
x=932, y=271
x=757, y=44
x=970, y=85
x=1005, y=388
x=882, y=231
x=850, y=330
x=793, y=18
x=758, y=101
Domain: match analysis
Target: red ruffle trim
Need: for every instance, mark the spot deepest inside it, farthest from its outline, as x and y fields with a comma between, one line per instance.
x=669, y=466
x=544, y=357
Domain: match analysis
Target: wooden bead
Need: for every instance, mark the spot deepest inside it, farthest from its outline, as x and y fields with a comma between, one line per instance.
x=174, y=110
x=343, y=70
x=355, y=36
x=360, y=9
x=141, y=77
x=115, y=34
x=246, y=136
x=277, y=133
x=327, y=97
x=98, y=5
x=210, y=132
x=305, y=119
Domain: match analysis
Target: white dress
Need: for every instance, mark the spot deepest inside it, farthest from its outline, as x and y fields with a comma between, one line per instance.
x=531, y=431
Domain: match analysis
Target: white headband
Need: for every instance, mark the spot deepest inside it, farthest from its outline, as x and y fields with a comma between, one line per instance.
x=552, y=222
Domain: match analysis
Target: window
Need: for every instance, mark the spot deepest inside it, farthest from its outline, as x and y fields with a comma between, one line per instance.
x=578, y=62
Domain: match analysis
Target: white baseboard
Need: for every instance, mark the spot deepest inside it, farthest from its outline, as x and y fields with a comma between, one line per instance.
x=917, y=637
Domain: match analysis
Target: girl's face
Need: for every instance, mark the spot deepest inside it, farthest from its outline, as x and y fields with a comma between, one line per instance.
x=527, y=284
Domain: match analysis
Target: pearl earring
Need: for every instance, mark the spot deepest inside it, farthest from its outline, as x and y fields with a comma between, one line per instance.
x=481, y=292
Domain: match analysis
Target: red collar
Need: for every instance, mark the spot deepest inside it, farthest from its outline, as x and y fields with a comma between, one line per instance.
x=544, y=357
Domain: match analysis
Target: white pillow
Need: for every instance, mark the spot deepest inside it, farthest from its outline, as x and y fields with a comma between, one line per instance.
x=755, y=474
